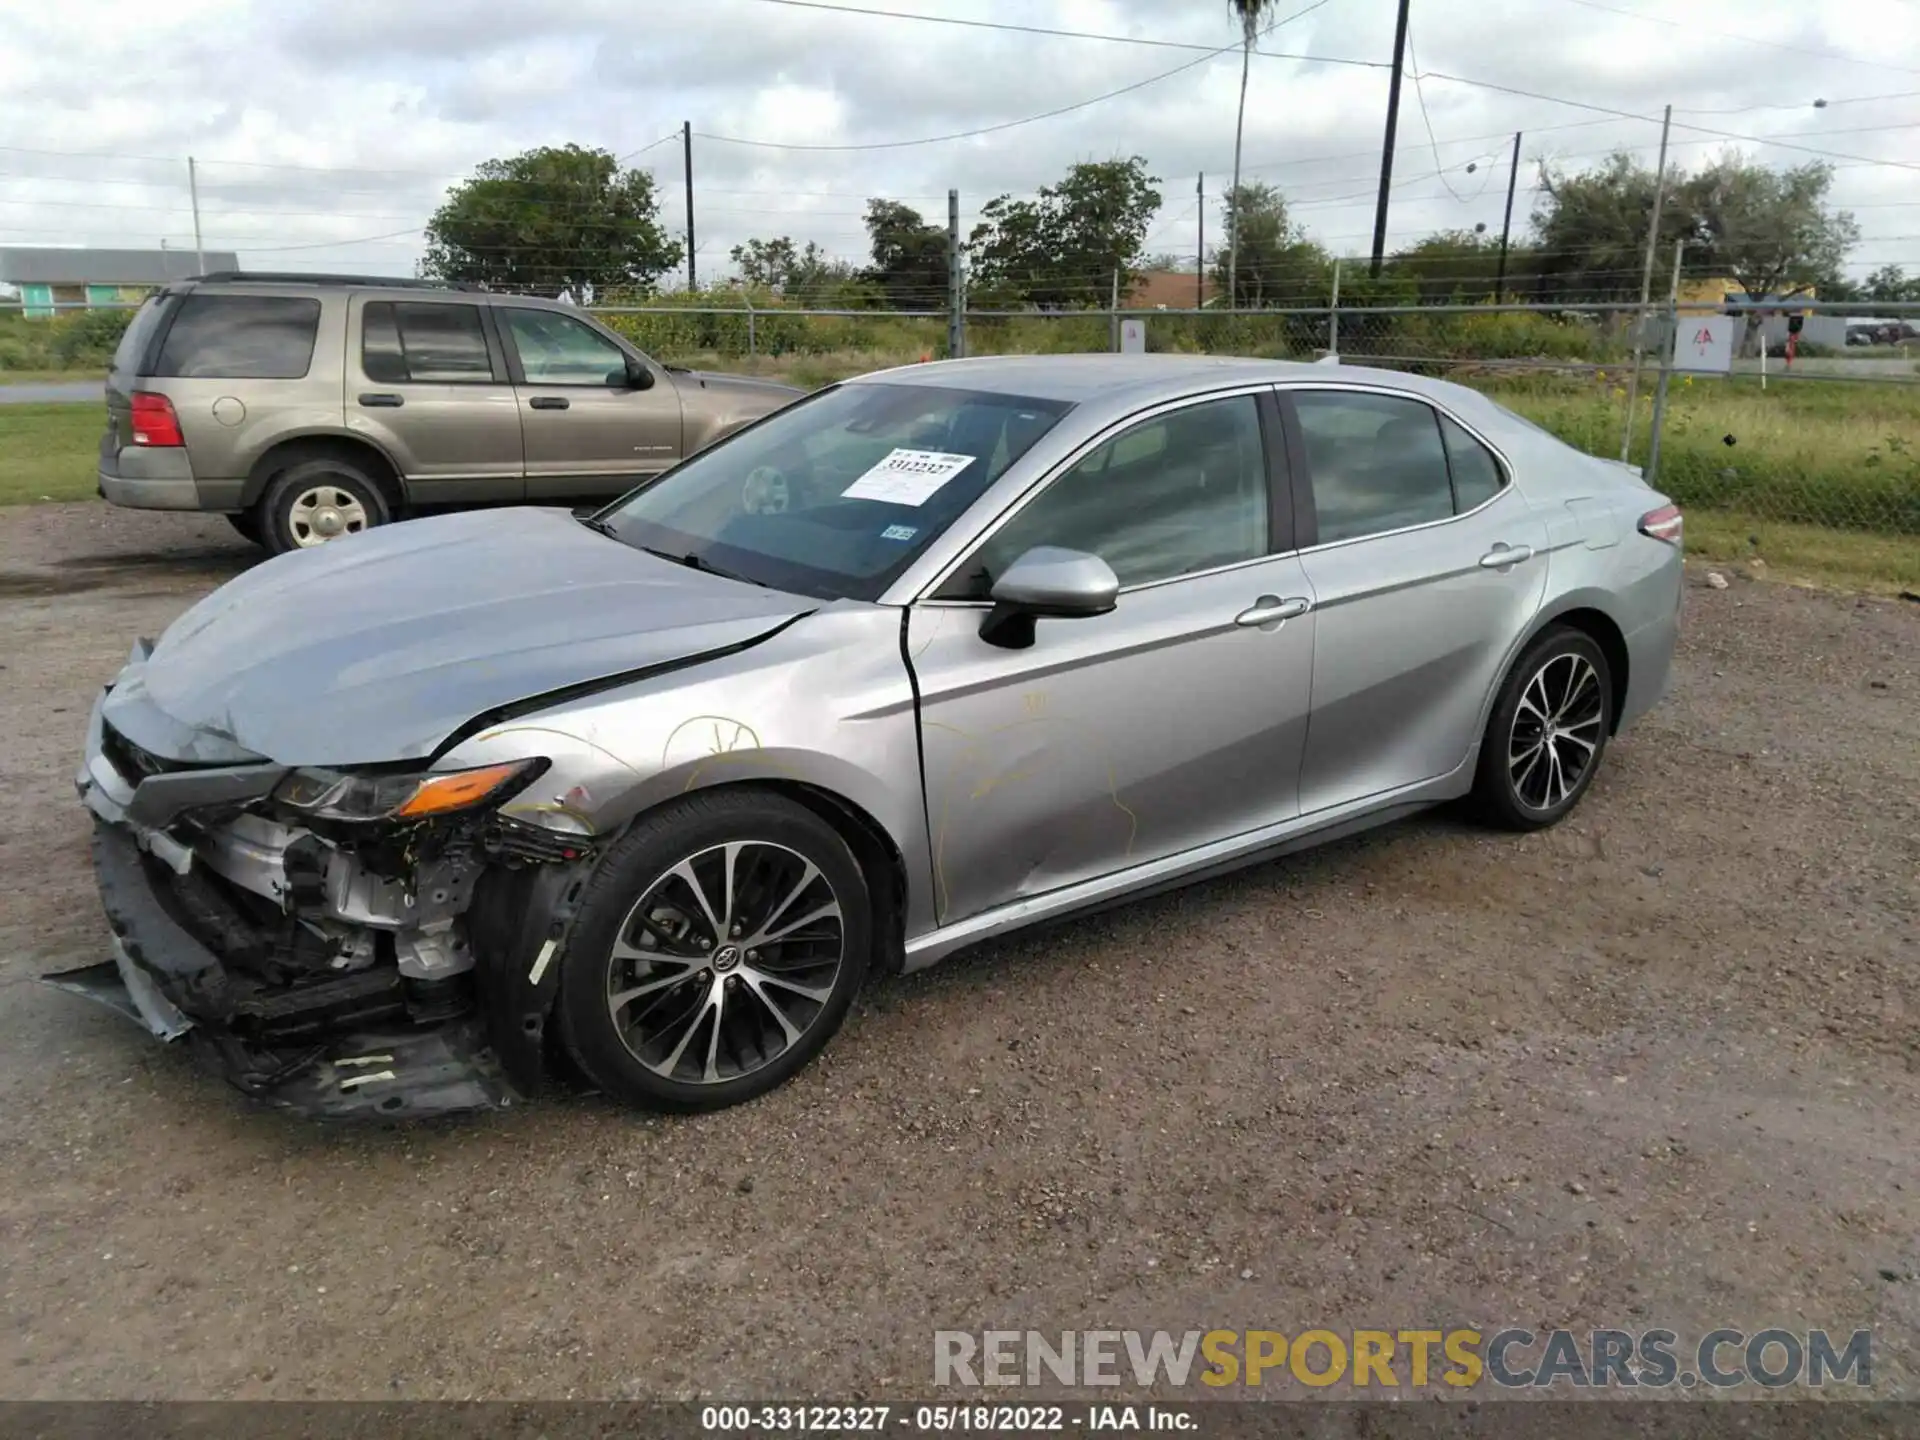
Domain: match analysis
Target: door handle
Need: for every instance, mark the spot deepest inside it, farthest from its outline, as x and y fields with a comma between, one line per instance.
x=1271, y=610
x=1503, y=555
x=548, y=402
x=382, y=402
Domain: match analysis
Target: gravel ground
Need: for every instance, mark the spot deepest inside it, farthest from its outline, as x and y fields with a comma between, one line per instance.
x=1653, y=1067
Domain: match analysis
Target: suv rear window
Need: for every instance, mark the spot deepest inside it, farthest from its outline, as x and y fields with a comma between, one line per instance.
x=138, y=336
x=240, y=337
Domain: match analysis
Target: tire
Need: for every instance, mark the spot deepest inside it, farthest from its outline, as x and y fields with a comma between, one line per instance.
x=314, y=501
x=778, y=1003
x=1526, y=781
x=247, y=523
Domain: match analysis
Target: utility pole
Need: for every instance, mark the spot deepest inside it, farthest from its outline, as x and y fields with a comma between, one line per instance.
x=193, y=193
x=1666, y=367
x=1200, y=244
x=1386, y=148
x=1506, y=226
x=1646, y=286
x=956, y=283
x=686, y=148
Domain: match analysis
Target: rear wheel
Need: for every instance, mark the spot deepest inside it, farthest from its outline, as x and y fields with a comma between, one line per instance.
x=717, y=950
x=1547, y=733
x=318, y=500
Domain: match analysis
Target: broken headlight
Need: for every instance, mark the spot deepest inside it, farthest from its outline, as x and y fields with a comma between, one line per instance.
x=416, y=795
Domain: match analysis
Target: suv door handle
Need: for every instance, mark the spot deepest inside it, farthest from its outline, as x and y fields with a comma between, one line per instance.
x=382, y=402
x=1271, y=610
x=548, y=402
x=1503, y=555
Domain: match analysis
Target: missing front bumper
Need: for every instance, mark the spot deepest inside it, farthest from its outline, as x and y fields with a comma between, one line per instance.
x=160, y=972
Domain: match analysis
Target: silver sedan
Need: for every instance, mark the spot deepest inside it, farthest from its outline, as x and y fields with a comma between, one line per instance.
x=424, y=819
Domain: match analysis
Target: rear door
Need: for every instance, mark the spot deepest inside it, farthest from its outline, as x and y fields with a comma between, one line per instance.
x=1426, y=566
x=426, y=381
x=589, y=430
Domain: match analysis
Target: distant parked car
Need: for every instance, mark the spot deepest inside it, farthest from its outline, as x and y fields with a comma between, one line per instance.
x=307, y=407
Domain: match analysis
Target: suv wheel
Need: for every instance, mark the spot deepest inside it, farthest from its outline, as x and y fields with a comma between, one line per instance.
x=318, y=500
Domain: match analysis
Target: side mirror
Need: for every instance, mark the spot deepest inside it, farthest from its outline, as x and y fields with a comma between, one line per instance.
x=639, y=377
x=1051, y=583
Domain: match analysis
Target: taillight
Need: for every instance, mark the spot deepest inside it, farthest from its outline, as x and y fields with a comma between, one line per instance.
x=1663, y=524
x=154, y=422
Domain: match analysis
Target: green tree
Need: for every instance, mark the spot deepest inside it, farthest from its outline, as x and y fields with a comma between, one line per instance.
x=1890, y=285
x=1276, y=263
x=1249, y=13
x=1066, y=246
x=550, y=220
x=1770, y=231
x=1458, y=266
x=909, y=256
x=804, y=275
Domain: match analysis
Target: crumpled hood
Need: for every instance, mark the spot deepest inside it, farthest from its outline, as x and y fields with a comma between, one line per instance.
x=378, y=647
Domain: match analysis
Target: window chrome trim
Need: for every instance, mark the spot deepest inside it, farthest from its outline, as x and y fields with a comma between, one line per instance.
x=925, y=594
x=1294, y=387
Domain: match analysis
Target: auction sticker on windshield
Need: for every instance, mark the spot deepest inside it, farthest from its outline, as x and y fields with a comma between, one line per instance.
x=907, y=477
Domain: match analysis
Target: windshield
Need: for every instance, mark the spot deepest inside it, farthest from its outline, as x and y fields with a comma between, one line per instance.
x=835, y=495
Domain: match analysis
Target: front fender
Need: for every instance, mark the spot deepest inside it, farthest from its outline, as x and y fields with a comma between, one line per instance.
x=826, y=704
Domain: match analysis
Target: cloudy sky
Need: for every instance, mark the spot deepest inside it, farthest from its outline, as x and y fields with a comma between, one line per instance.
x=326, y=134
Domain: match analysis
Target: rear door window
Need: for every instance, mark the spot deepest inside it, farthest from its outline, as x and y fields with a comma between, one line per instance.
x=419, y=342
x=240, y=337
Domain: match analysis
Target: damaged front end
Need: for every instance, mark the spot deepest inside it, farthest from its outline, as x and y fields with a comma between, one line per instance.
x=368, y=943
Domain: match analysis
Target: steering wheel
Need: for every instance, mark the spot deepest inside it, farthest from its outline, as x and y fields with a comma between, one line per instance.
x=766, y=492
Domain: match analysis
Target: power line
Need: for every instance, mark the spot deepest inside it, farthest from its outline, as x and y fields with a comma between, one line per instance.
x=1743, y=39
x=1697, y=129
x=1009, y=26
x=1816, y=104
x=1012, y=124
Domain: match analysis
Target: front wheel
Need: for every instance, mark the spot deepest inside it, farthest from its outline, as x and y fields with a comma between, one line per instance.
x=1547, y=733
x=717, y=950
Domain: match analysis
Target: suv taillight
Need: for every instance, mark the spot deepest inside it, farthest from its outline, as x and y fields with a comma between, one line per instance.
x=1663, y=524
x=154, y=422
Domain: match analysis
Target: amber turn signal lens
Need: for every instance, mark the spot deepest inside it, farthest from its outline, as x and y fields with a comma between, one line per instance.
x=442, y=793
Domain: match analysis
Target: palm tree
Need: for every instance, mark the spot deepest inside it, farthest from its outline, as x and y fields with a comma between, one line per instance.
x=1251, y=12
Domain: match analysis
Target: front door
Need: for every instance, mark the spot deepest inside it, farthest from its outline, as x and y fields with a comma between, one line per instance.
x=426, y=381
x=1174, y=720
x=1427, y=567
x=589, y=431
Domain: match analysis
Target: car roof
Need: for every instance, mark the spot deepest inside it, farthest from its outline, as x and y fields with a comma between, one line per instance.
x=1146, y=379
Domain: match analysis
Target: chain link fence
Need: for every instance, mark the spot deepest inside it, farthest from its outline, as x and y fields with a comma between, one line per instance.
x=1827, y=438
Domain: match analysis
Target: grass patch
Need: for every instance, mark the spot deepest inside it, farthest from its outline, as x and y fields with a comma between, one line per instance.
x=49, y=452
x=1804, y=453
x=52, y=377
x=1807, y=554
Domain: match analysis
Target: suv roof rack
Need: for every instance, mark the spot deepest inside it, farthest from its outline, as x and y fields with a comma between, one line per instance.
x=291, y=277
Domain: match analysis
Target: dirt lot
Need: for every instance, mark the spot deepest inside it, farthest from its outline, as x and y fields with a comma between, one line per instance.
x=1655, y=1067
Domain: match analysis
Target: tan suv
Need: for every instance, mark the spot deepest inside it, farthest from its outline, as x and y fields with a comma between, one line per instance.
x=310, y=406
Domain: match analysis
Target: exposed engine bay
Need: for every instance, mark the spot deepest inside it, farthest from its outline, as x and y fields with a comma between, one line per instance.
x=330, y=953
